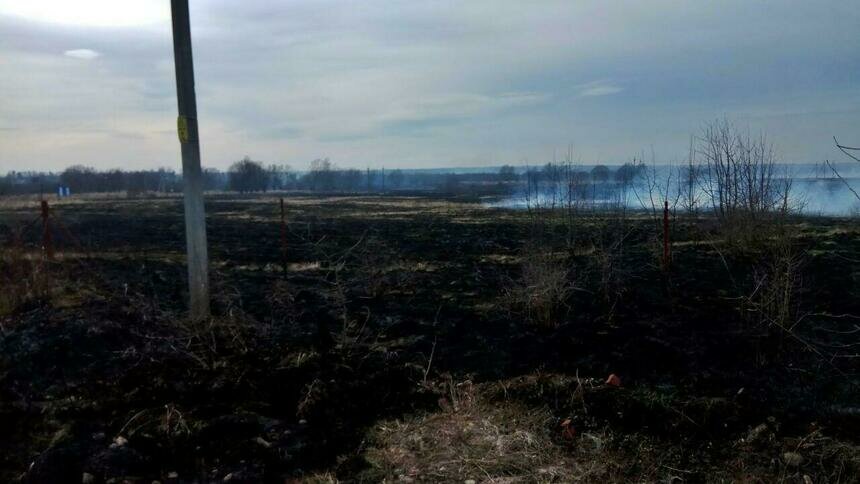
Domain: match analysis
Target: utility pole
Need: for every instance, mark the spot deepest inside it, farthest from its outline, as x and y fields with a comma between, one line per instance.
x=192, y=176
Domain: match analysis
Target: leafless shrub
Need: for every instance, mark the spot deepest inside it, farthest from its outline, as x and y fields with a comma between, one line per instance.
x=773, y=301
x=211, y=342
x=608, y=253
x=741, y=178
x=543, y=289
x=353, y=334
x=656, y=188
x=655, y=195
x=348, y=280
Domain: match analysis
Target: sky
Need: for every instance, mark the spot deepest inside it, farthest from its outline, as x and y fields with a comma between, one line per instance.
x=423, y=84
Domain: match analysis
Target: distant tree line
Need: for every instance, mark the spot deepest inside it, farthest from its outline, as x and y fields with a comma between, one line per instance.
x=324, y=176
x=83, y=179
x=597, y=175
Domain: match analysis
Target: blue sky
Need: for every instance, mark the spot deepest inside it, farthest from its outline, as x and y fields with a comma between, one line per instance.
x=420, y=84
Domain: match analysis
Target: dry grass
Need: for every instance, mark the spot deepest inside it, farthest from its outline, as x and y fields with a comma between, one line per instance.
x=778, y=282
x=542, y=292
x=508, y=432
x=502, y=443
x=24, y=279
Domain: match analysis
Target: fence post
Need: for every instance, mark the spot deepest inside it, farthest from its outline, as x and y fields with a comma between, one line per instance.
x=283, y=237
x=666, y=254
x=47, y=243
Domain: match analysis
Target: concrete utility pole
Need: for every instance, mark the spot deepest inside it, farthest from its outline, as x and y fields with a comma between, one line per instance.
x=192, y=176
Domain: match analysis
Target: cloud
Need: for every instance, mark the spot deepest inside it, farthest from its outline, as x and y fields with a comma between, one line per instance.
x=599, y=89
x=92, y=13
x=86, y=54
x=427, y=116
x=415, y=83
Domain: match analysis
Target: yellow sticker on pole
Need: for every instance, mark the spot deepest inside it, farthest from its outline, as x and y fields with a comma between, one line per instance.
x=182, y=129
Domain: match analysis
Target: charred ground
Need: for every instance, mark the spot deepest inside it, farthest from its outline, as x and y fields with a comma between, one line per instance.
x=426, y=338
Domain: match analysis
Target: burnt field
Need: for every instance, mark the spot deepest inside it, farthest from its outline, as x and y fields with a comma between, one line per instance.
x=426, y=339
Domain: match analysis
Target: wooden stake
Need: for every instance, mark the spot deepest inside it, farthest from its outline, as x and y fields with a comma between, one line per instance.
x=47, y=242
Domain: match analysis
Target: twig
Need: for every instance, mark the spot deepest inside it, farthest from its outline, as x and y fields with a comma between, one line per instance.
x=845, y=148
x=433, y=349
x=132, y=419
x=676, y=470
x=843, y=180
x=430, y=360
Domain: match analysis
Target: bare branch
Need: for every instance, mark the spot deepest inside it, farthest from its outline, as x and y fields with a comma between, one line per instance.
x=846, y=149
x=843, y=180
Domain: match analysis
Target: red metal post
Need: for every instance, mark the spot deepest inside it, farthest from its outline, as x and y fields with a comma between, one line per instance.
x=47, y=243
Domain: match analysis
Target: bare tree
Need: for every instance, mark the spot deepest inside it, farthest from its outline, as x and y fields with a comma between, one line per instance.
x=247, y=175
x=350, y=180
x=320, y=176
x=625, y=178
x=280, y=176
x=600, y=174
x=741, y=174
x=507, y=173
x=80, y=178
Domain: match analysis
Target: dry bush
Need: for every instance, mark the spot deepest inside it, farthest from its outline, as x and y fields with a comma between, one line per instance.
x=24, y=280
x=777, y=281
x=281, y=297
x=353, y=334
x=339, y=297
x=211, y=342
x=769, y=291
x=335, y=315
x=542, y=292
x=609, y=243
x=167, y=422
